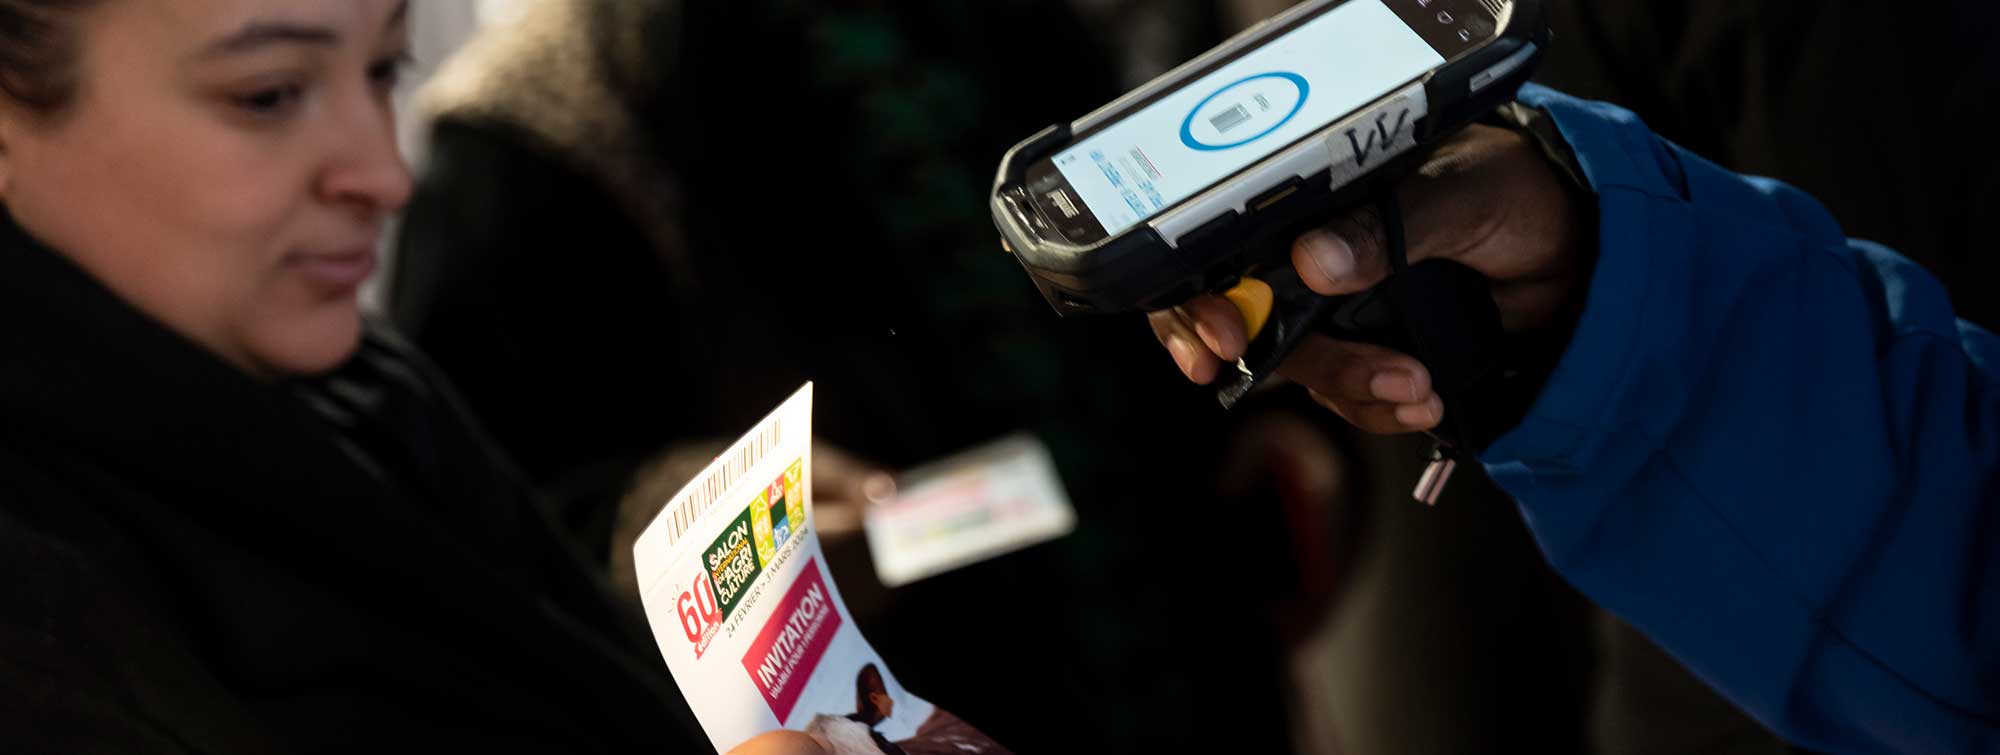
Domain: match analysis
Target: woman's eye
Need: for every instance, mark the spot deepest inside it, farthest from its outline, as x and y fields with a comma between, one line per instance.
x=272, y=101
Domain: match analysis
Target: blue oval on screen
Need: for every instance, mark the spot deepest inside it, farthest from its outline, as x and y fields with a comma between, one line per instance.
x=1187, y=124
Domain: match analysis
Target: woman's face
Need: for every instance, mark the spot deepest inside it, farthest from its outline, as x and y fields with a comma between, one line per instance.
x=226, y=167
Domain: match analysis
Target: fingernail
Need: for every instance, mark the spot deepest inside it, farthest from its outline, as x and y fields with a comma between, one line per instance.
x=1224, y=341
x=878, y=488
x=1331, y=254
x=1417, y=415
x=1183, y=353
x=1394, y=385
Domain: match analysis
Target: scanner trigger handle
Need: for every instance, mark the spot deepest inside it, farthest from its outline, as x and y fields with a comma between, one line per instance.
x=1439, y=311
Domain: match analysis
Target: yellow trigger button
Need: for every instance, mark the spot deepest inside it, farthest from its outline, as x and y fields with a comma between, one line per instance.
x=1253, y=299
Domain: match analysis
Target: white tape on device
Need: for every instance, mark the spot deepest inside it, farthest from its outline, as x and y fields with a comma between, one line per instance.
x=1375, y=135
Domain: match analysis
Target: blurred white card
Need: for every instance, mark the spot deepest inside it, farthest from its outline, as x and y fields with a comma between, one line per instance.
x=983, y=503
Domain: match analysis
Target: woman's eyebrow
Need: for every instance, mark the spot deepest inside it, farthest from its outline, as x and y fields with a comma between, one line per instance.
x=260, y=34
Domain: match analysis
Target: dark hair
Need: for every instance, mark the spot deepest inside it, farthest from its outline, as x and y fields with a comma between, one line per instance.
x=869, y=680
x=38, y=51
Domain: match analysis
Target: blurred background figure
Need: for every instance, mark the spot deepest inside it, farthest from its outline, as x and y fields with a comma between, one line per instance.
x=640, y=225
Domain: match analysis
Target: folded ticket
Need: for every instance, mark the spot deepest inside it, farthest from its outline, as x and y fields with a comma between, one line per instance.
x=983, y=503
x=752, y=625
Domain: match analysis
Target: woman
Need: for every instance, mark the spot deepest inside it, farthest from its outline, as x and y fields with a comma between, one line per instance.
x=231, y=517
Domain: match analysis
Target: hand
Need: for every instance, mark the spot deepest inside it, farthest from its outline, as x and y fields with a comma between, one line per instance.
x=843, y=488
x=781, y=742
x=1487, y=198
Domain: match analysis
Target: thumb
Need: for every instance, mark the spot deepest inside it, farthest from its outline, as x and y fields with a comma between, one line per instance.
x=1326, y=263
x=1346, y=256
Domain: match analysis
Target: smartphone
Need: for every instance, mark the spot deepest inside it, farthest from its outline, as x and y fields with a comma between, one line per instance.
x=1178, y=187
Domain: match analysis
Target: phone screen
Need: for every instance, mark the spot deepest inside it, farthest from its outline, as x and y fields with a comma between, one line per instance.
x=1241, y=112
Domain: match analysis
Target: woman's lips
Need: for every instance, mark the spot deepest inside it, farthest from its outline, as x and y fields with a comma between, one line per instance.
x=336, y=271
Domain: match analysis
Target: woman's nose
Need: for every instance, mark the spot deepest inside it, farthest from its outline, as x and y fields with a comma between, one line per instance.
x=366, y=169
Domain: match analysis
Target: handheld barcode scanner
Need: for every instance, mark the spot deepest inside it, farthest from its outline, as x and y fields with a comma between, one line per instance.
x=1199, y=181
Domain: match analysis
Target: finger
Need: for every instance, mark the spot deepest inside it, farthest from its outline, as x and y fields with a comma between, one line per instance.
x=1384, y=418
x=780, y=742
x=1373, y=417
x=1391, y=380
x=1219, y=326
x=838, y=517
x=1349, y=371
x=839, y=475
x=1351, y=254
x=1423, y=415
x=1456, y=206
x=1189, y=353
x=1341, y=258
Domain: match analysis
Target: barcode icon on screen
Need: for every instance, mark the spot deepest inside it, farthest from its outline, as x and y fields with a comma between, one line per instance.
x=1229, y=119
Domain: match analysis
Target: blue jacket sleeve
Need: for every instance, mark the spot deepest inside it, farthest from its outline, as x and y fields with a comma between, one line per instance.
x=1773, y=449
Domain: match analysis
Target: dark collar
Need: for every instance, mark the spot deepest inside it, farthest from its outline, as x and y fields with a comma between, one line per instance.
x=92, y=388
x=85, y=365
x=91, y=383
x=87, y=375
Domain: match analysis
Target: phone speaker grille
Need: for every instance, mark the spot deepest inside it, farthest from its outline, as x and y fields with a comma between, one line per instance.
x=1496, y=7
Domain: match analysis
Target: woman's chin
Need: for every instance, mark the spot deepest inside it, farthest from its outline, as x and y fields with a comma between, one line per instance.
x=307, y=344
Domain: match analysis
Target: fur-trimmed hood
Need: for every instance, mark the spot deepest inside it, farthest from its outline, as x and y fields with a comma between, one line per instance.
x=576, y=79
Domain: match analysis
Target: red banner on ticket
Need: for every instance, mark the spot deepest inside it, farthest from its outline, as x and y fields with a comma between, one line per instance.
x=785, y=653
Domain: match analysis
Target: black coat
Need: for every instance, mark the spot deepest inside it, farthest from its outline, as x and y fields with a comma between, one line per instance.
x=196, y=560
